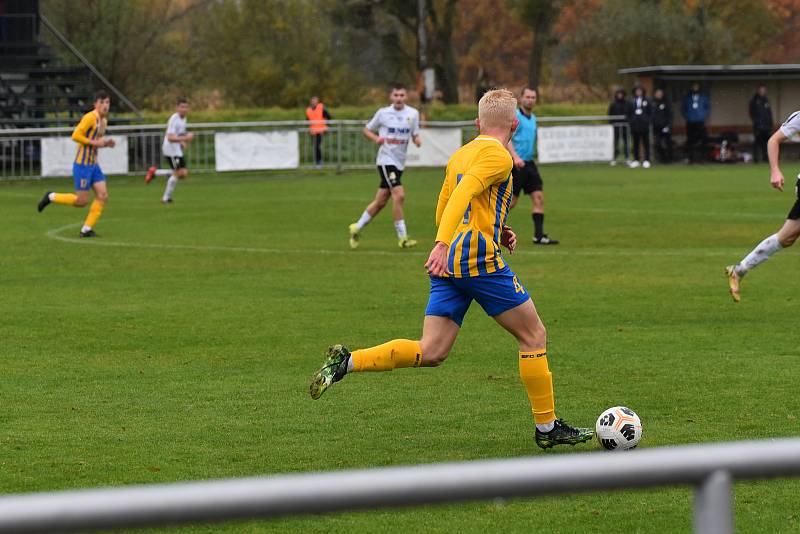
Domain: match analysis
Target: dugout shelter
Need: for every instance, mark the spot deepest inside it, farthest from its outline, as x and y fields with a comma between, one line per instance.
x=729, y=87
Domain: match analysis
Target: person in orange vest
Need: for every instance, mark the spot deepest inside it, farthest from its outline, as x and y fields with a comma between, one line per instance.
x=317, y=114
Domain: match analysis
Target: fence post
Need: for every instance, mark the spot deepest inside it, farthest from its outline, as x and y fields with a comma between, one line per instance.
x=713, y=509
x=339, y=133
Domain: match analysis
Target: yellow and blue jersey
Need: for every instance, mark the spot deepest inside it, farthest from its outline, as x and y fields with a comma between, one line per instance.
x=475, y=245
x=89, y=128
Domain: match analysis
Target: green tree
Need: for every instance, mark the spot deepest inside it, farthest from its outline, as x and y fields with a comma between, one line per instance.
x=626, y=33
x=395, y=25
x=273, y=53
x=131, y=43
x=540, y=16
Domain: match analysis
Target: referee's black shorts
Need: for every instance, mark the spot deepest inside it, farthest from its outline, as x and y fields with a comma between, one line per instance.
x=527, y=179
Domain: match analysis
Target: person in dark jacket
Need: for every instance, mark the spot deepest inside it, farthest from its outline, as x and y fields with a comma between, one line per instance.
x=619, y=106
x=696, y=108
x=761, y=116
x=662, y=126
x=639, y=117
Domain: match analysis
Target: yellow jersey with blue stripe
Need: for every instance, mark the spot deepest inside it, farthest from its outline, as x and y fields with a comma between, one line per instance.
x=90, y=128
x=483, y=169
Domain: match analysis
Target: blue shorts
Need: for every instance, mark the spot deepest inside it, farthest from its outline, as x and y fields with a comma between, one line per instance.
x=496, y=293
x=86, y=175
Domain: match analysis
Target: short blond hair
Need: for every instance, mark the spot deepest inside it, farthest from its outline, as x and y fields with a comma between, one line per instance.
x=497, y=109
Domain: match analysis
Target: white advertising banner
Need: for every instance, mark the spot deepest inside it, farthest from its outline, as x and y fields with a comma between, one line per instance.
x=438, y=144
x=58, y=154
x=246, y=151
x=558, y=144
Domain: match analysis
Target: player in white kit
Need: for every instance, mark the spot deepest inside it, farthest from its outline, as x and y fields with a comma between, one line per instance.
x=790, y=231
x=391, y=129
x=175, y=141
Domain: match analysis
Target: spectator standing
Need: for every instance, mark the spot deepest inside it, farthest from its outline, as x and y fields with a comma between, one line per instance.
x=662, y=126
x=639, y=117
x=317, y=114
x=619, y=106
x=696, y=108
x=761, y=117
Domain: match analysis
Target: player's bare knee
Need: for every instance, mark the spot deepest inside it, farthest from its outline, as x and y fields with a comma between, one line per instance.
x=540, y=334
x=183, y=173
x=102, y=197
x=432, y=355
x=433, y=358
x=80, y=202
x=533, y=337
x=787, y=240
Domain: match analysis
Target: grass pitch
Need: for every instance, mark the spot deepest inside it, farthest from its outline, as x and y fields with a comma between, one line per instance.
x=180, y=344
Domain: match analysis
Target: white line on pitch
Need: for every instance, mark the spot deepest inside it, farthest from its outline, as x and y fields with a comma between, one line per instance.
x=551, y=251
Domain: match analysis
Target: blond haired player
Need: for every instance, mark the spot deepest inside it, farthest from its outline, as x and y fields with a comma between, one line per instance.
x=86, y=172
x=790, y=231
x=465, y=265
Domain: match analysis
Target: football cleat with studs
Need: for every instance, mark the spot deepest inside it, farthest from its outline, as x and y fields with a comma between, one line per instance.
x=44, y=202
x=733, y=281
x=544, y=239
x=151, y=173
x=333, y=370
x=407, y=242
x=563, y=434
x=354, y=235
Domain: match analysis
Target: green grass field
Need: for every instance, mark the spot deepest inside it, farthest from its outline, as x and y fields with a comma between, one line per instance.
x=180, y=344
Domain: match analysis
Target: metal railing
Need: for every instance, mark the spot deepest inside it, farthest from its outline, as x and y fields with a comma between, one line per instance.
x=343, y=145
x=711, y=469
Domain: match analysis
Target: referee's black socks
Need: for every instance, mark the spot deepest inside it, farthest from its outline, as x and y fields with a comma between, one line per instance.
x=538, y=225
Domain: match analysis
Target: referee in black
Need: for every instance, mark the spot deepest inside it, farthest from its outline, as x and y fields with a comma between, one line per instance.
x=526, y=176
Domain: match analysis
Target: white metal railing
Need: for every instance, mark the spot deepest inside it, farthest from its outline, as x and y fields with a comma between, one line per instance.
x=343, y=145
x=710, y=468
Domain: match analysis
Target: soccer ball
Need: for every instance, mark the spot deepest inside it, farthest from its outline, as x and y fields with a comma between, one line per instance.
x=618, y=429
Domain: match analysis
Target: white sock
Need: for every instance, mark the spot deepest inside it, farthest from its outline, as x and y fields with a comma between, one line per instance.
x=546, y=427
x=364, y=220
x=400, y=226
x=759, y=255
x=171, y=184
x=163, y=172
x=85, y=228
x=350, y=364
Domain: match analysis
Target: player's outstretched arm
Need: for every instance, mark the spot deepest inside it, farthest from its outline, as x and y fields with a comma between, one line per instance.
x=773, y=151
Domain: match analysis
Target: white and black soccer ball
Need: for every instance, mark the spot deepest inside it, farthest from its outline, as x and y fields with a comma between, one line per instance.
x=619, y=429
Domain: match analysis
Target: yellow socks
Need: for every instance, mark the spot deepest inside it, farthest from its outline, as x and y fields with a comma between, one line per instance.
x=65, y=198
x=94, y=213
x=392, y=355
x=538, y=382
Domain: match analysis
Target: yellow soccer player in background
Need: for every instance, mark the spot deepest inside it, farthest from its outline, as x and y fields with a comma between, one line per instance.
x=465, y=265
x=85, y=170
